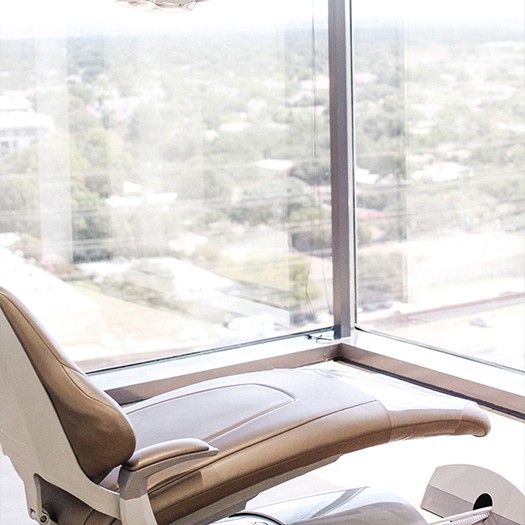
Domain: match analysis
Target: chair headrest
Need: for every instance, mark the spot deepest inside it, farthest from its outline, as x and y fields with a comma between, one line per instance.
x=99, y=432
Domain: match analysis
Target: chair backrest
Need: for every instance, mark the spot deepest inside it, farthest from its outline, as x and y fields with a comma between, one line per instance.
x=53, y=420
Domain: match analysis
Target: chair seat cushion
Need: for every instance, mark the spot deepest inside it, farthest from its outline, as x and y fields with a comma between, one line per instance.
x=268, y=425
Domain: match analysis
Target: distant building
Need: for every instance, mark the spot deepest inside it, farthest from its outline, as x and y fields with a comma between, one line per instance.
x=20, y=125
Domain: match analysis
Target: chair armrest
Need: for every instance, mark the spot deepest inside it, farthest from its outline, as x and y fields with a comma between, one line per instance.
x=133, y=478
x=134, y=474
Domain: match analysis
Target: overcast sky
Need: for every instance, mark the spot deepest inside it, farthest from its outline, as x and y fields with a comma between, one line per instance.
x=72, y=16
x=62, y=17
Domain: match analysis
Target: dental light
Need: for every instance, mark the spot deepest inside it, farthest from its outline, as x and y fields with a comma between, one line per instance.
x=160, y=5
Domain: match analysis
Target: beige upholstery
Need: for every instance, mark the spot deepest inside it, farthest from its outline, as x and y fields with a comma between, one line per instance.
x=267, y=426
x=98, y=430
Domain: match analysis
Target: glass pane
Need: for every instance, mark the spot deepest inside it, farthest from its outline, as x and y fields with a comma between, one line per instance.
x=164, y=176
x=440, y=132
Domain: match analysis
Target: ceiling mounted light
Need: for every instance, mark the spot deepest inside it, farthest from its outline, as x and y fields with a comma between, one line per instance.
x=160, y=5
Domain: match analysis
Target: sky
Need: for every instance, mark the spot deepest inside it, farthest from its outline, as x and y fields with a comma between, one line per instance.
x=73, y=16
x=63, y=17
x=443, y=10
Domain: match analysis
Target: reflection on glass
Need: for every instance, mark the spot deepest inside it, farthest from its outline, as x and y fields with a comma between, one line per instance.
x=164, y=178
x=440, y=133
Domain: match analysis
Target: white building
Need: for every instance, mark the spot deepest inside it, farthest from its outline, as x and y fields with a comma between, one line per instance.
x=20, y=125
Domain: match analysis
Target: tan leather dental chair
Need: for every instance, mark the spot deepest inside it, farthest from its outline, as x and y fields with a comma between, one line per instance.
x=188, y=456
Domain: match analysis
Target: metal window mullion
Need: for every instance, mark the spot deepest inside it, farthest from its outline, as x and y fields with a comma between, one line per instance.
x=341, y=146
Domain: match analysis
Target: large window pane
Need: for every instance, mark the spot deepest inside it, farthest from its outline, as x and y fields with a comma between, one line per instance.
x=440, y=181
x=164, y=177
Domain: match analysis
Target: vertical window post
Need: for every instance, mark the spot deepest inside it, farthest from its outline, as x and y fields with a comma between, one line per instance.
x=341, y=140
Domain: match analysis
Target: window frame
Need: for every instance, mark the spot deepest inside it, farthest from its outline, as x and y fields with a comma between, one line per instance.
x=490, y=385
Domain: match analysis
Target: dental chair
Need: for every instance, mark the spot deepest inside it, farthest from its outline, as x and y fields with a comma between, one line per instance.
x=190, y=456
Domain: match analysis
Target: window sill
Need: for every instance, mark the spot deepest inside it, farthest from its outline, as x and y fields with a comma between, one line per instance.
x=141, y=381
x=493, y=387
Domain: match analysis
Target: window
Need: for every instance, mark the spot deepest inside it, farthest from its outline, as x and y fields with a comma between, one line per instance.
x=168, y=182
x=440, y=186
x=166, y=187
